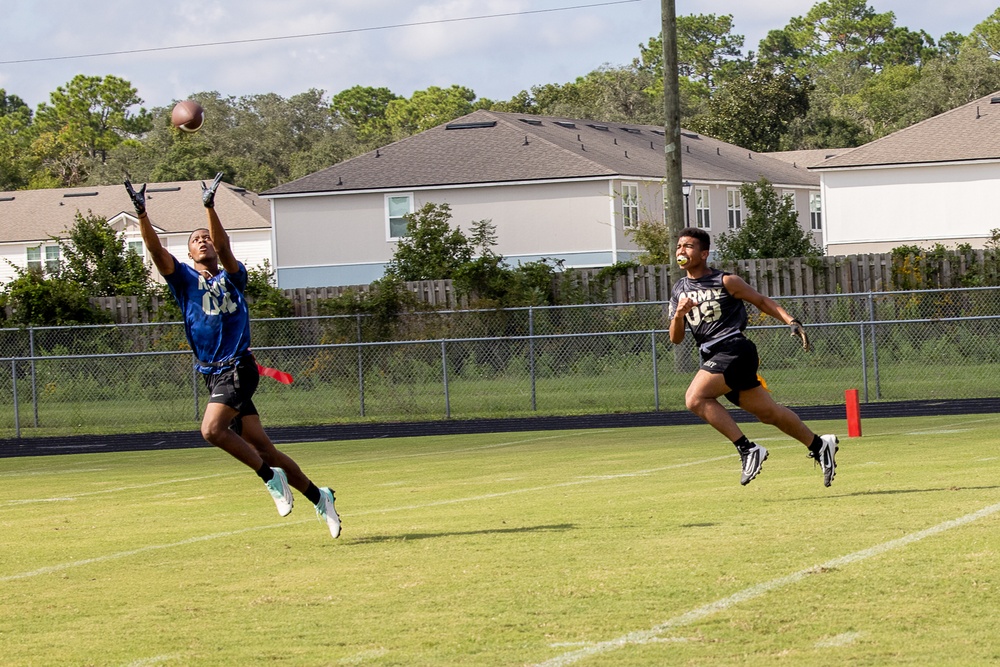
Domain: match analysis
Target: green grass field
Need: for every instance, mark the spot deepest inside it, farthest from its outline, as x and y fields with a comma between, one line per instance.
x=598, y=548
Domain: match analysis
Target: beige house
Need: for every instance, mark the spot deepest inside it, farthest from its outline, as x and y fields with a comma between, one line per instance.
x=30, y=218
x=933, y=182
x=554, y=187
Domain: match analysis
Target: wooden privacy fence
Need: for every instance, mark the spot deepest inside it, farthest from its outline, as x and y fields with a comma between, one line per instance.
x=797, y=276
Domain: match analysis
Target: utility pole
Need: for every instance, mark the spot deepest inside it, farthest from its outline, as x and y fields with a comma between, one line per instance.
x=672, y=192
x=672, y=130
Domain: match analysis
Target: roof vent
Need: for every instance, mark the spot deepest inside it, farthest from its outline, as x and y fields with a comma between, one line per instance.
x=6, y=199
x=79, y=194
x=472, y=125
x=690, y=135
x=995, y=100
x=659, y=132
x=565, y=123
x=603, y=128
x=632, y=130
x=174, y=189
x=529, y=121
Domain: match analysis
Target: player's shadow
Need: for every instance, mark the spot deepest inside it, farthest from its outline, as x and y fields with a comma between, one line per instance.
x=406, y=537
x=893, y=492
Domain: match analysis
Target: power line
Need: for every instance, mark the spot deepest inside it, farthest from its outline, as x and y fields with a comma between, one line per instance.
x=313, y=34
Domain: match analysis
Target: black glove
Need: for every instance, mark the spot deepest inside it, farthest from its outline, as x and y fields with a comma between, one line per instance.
x=798, y=331
x=138, y=198
x=208, y=192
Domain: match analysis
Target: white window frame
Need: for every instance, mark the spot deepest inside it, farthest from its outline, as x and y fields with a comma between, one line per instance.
x=734, y=207
x=137, y=245
x=815, y=211
x=33, y=257
x=702, y=208
x=630, y=205
x=52, y=258
x=390, y=218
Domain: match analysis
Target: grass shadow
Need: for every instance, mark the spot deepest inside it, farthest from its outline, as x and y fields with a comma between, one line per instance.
x=403, y=537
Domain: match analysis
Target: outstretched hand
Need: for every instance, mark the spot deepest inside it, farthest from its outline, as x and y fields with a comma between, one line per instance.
x=799, y=331
x=208, y=192
x=138, y=198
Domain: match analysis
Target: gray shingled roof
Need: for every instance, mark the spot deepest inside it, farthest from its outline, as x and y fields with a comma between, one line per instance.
x=34, y=215
x=808, y=157
x=968, y=132
x=496, y=147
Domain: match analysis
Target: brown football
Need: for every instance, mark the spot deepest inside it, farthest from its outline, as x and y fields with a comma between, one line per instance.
x=187, y=116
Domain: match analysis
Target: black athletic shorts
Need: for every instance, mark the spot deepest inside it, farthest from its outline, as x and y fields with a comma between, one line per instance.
x=234, y=386
x=736, y=359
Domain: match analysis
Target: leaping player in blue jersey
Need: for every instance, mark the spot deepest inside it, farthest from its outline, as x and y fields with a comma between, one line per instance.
x=710, y=303
x=217, y=325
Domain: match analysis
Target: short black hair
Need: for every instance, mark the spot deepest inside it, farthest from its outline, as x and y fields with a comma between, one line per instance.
x=200, y=229
x=704, y=240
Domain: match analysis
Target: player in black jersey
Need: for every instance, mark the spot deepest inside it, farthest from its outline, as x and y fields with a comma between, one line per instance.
x=710, y=303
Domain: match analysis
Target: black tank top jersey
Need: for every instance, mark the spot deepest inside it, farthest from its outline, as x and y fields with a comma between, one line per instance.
x=718, y=314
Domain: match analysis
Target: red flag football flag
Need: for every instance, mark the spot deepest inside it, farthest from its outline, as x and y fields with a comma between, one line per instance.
x=280, y=376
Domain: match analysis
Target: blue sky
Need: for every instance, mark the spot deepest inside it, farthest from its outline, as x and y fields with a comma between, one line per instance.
x=535, y=42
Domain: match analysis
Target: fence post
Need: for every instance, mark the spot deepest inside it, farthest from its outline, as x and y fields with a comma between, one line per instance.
x=864, y=361
x=531, y=354
x=871, y=318
x=34, y=379
x=13, y=380
x=361, y=369
x=656, y=381
x=444, y=374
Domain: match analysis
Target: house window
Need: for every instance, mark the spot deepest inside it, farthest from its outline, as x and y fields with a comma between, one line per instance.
x=137, y=247
x=702, y=217
x=397, y=206
x=815, y=211
x=788, y=195
x=630, y=205
x=51, y=259
x=34, y=257
x=735, y=207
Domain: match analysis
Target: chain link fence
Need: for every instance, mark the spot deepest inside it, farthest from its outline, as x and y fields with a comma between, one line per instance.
x=593, y=359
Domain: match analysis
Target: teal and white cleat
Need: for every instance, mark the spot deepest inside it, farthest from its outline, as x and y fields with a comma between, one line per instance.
x=326, y=511
x=280, y=491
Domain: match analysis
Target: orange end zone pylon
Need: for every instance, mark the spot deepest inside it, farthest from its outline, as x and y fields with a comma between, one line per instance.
x=853, y=413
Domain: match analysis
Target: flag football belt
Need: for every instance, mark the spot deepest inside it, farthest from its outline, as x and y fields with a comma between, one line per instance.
x=707, y=347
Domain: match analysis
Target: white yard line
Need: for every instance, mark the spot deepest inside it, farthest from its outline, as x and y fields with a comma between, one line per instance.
x=695, y=615
x=59, y=567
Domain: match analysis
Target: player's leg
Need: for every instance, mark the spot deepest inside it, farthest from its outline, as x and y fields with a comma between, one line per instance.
x=702, y=398
x=758, y=402
x=321, y=497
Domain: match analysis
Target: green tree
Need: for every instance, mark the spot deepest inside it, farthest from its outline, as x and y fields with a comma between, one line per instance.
x=427, y=109
x=363, y=108
x=987, y=34
x=754, y=109
x=97, y=259
x=263, y=295
x=653, y=236
x=431, y=249
x=38, y=301
x=16, y=136
x=771, y=228
x=86, y=119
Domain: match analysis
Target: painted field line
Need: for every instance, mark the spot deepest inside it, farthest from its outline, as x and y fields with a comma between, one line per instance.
x=59, y=567
x=115, y=489
x=134, y=487
x=695, y=615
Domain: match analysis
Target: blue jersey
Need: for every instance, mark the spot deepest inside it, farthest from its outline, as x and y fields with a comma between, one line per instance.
x=216, y=319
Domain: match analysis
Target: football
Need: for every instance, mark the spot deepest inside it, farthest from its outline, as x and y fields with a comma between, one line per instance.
x=187, y=116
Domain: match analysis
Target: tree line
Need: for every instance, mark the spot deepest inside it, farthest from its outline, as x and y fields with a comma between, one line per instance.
x=839, y=76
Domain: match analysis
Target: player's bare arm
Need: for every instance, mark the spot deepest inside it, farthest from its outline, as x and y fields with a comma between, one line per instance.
x=162, y=260
x=741, y=290
x=220, y=238
x=684, y=306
